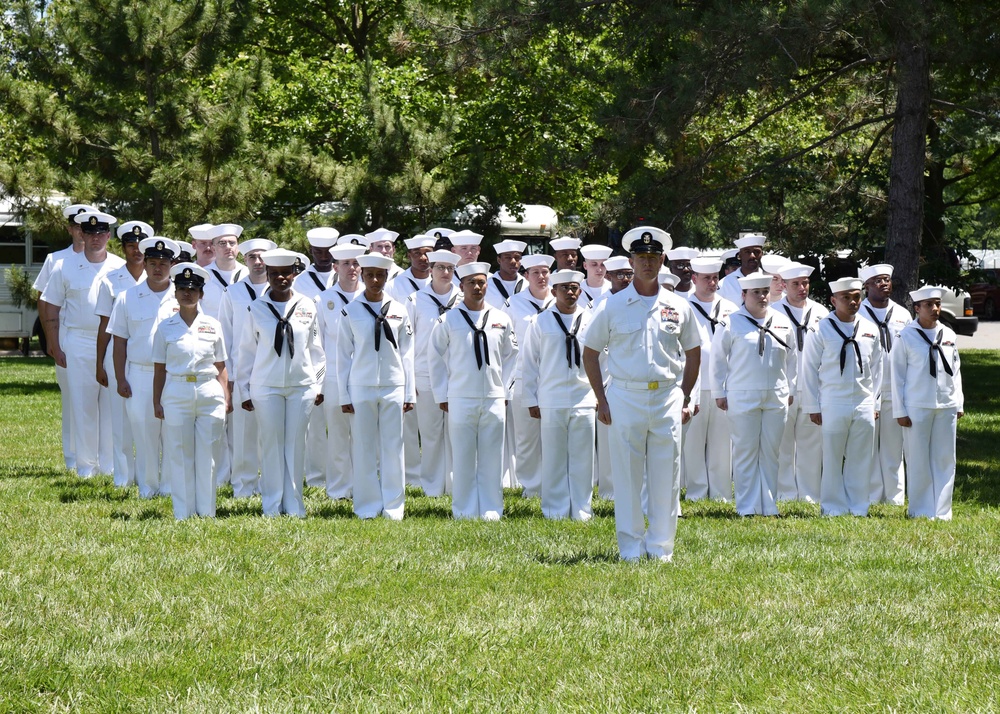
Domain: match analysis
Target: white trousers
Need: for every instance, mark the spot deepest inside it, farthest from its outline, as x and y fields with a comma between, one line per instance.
x=339, y=465
x=568, y=462
x=411, y=447
x=475, y=429
x=848, y=459
x=435, y=451
x=316, y=448
x=69, y=452
x=509, y=460
x=147, y=432
x=707, y=462
x=602, y=477
x=194, y=416
x=757, y=420
x=888, y=478
x=89, y=402
x=282, y=416
x=122, y=445
x=800, y=458
x=224, y=453
x=246, y=449
x=930, y=461
x=377, y=452
x=645, y=429
x=527, y=445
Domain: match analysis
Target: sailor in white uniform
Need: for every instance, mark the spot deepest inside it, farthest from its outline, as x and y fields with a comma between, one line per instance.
x=224, y=269
x=466, y=245
x=772, y=264
x=330, y=304
x=234, y=315
x=201, y=242
x=679, y=262
x=800, y=459
x=565, y=252
x=113, y=285
x=596, y=284
x=707, y=464
x=135, y=316
x=71, y=329
x=425, y=307
x=751, y=250
x=383, y=242
x=888, y=478
x=280, y=365
x=557, y=393
x=654, y=356
x=927, y=405
x=842, y=377
x=375, y=380
x=190, y=394
x=475, y=351
x=507, y=281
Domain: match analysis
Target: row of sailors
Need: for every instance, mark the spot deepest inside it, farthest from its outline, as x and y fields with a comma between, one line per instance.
x=751, y=400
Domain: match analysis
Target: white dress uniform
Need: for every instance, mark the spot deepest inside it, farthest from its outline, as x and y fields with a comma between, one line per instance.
x=113, y=285
x=311, y=283
x=888, y=477
x=500, y=291
x=220, y=280
x=73, y=287
x=602, y=464
x=931, y=398
x=846, y=397
x=707, y=462
x=471, y=368
x=134, y=318
x=375, y=374
x=234, y=315
x=339, y=463
x=647, y=338
x=425, y=307
x=729, y=287
x=553, y=380
x=800, y=459
x=283, y=388
x=194, y=409
x=41, y=281
x=590, y=294
x=753, y=366
x=527, y=432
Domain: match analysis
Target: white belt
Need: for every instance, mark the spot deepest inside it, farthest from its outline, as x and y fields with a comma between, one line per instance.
x=141, y=367
x=194, y=378
x=643, y=386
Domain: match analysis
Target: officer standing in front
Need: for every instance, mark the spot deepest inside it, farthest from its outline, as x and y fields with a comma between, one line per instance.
x=654, y=356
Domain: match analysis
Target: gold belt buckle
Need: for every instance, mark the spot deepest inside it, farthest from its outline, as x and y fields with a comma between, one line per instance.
x=190, y=378
x=653, y=385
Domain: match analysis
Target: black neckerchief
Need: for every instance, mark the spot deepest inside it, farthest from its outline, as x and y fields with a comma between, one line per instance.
x=884, y=335
x=848, y=341
x=381, y=325
x=283, y=330
x=479, y=335
x=800, y=330
x=315, y=279
x=713, y=319
x=221, y=279
x=935, y=346
x=762, y=332
x=442, y=308
x=572, y=343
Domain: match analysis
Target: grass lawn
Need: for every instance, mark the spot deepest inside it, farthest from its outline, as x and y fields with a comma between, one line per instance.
x=108, y=604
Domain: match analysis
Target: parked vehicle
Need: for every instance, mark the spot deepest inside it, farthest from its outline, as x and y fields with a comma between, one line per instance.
x=986, y=294
x=956, y=312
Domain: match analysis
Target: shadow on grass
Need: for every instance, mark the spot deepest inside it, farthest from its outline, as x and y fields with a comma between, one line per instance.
x=149, y=512
x=73, y=489
x=31, y=471
x=576, y=557
x=27, y=389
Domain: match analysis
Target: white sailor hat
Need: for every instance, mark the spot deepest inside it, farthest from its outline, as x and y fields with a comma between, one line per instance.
x=380, y=234
x=866, y=274
x=442, y=256
x=617, y=262
x=794, y=270
x=159, y=247
x=249, y=246
x=375, y=260
x=844, y=284
x=224, y=229
x=927, y=292
x=346, y=251
x=566, y=276
x=706, y=266
x=420, y=241
x=352, y=239
x=188, y=275
x=95, y=221
x=510, y=246
x=682, y=254
x=464, y=271
x=281, y=258
x=646, y=239
x=69, y=213
x=730, y=255
x=538, y=260
x=665, y=277
x=751, y=240
x=200, y=231
x=565, y=243
x=595, y=251
x=185, y=251
x=755, y=281
x=439, y=232
x=465, y=238
x=322, y=237
x=134, y=231
x=772, y=263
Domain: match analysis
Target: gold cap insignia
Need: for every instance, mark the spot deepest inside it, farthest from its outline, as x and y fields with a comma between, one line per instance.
x=136, y=231
x=647, y=237
x=187, y=272
x=160, y=245
x=93, y=220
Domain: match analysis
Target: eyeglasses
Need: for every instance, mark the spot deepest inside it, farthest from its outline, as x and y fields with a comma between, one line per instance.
x=624, y=274
x=444, y=267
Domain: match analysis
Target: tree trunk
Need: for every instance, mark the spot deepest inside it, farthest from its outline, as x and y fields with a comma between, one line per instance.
x=906, y=169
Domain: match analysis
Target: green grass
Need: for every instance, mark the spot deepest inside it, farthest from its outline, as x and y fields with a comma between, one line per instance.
x=108, y=604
